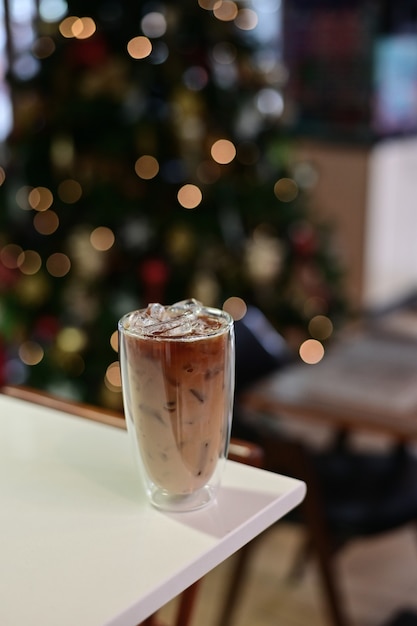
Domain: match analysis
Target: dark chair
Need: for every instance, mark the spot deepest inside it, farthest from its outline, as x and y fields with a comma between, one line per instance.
x=350, y=494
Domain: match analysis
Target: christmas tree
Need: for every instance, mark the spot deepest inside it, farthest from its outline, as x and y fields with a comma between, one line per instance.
x=148, y=163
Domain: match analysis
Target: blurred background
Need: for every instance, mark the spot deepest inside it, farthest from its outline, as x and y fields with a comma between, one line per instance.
x=242, y=152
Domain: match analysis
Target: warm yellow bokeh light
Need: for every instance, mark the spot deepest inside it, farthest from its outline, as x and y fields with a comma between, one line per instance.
x=190, y=196
x=84, y=27
x=112, y=378
x=31, y=353
x=10, y=254
x=223, y=151
x=69, y=191
x=114, y=341
x=139, y=47
x=209, y=5
x=46, y=223
x=237, y=307
x=311, y=351
x=29, y=262
x=246, y=19
x=320, y=327
x=146, y=167
x=78, y=27
x=226, y=11
x=58, y=264
x=102, y=238
x=40, y=198
x=71, y=339
x=286, y=189
x=66, y=26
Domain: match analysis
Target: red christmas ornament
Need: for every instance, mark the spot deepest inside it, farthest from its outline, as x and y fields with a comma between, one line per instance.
x=154, y=275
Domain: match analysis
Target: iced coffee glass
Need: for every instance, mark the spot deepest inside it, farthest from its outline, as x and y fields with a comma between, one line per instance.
x=177, y=367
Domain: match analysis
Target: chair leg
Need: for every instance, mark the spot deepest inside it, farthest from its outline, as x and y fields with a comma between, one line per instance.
x=320, y=542
x=186, y=605
x=237, y=576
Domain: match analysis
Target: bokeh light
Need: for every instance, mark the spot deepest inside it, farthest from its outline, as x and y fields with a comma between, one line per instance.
x=46, y=223
x=31, y=353
x=146, y=167
x=58, y=264
x=139, y=47
x=246, y=19
x=112, y=378
x=10, y=254
x=209, y=5
x=71, y=339
x=226, y=11
x=286, y=189
x=102, y=238
x=320, y=327
x=189, y=196
x=29, y=262
x=69, y=191
x=77, y=27
x=311, y=351
x=236, y=307
x=223, y=151
x=114, y=341
x=52, y=10
x=43, y=47
x=22, y=197
x=154, y=24
x=40, y=198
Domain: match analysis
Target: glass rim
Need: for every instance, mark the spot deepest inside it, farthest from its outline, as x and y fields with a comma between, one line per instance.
x=213, y=311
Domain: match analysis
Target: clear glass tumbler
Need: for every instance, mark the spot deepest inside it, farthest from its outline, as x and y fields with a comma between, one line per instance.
x=177, y=367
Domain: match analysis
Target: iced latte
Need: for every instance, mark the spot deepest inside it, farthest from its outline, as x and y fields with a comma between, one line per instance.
x=177, y=366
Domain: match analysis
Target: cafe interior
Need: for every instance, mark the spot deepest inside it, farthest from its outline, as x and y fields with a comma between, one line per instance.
x=259, y=156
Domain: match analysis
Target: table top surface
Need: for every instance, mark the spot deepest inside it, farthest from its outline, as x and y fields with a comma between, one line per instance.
x=81, y=544
x=367, y=380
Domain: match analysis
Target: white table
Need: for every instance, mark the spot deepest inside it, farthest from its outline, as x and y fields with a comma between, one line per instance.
x=81, y=546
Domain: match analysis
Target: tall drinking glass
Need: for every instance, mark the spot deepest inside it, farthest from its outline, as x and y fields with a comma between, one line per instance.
x=177, y=368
